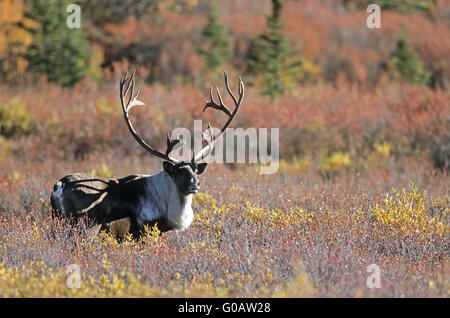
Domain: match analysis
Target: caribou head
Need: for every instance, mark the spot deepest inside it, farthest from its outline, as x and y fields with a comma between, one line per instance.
x=183, y=173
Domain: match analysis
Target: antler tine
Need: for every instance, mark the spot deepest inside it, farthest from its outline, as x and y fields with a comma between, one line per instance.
x=130, y=83
x=124, y=78
x=173, y=144
x=225, y=74
x=237, y=102
x=126, y=107
x=211, y=95
x=213, y=103
x=131, y=91
x=222, y=105
x=137, y=94
x=241, y=89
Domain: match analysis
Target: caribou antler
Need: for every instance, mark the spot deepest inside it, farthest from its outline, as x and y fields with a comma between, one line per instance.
x=206, y=151
x=126, y=107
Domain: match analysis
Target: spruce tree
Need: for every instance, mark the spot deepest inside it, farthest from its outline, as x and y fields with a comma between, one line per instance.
x=407, y=63
x=218, y=41
x=272, y=57
x=57, y=51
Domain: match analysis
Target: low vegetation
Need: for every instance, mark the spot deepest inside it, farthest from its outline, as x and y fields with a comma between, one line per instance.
x=364, y=153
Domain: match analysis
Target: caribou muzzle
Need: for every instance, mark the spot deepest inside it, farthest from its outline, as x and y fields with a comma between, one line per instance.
x=193, y=186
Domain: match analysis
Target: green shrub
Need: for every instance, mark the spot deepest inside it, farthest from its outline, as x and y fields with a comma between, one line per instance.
x=272, y=57
x=407, y=63
x=60, y=53
x=216, y=35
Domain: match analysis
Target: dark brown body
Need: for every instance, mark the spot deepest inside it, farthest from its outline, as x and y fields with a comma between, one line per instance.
x=114, y=204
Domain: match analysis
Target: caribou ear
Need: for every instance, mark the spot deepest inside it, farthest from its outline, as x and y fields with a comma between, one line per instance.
x=168, y=167
x=201, y=167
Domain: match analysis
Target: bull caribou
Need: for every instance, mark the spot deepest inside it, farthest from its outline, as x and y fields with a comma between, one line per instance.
x=129, y=204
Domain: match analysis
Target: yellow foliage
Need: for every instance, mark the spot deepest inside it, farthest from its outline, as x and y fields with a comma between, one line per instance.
x=104, y=108
x=152, y=232
x=300, y=286
x=311, y=68
x=36, y=236
x=294, y=215
x=209, y=213
x=103, y=170
x=299, y=216
x=45, y=202
x=35, y=279
x=14, y=40
x=383, y=149
x=202, y=199
x=15, y=119
x=54, y=129
x=301, y=164
x=405, y=212
x=338, y=161
x=106, y=239
x=257, y=214
x=5, y=146
x=212, y=217
x=15, y=176
x=295, y=165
